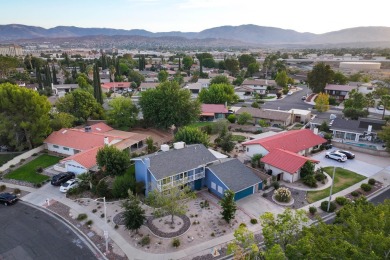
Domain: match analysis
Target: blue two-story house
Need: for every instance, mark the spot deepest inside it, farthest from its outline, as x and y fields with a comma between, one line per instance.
x=196, y=167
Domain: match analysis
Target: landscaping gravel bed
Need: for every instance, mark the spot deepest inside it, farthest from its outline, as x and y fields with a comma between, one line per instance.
x=99, y=241
x=298, y=195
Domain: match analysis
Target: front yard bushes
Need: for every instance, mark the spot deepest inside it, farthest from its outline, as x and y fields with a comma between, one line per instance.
x=176, y=242
x=145, y=241
x=253, y=221
x=319, y=176
x=82, y=217
x=372, y=181
x=312, y=210
x=341, y=201
x=324, y=206
x=2, y=187
x=276, y=185
x=366, y=187
x=283, y=195
x=355, y=193
x=310, y=180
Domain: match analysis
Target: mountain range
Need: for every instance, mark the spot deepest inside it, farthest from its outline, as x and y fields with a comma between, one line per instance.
x=251, y=35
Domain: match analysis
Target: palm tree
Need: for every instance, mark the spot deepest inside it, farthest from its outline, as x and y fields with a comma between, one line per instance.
x=112, y=72
x=85, y=179
x=385, y=101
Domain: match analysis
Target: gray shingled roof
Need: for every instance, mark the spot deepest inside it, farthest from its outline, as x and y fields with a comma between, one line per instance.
x=164, y=164
x=357, y=126
x=234, y=174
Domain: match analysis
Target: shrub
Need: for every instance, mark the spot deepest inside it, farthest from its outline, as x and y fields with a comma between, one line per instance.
x=371, y=181
x=212, y=234
x=12, y=166
x=2, y=187
x=310, y=181
x=312, y=210
x=145, y=241
x=319, y=176
x=38, y=185
x=324, y=206
x=355, y=193
x=255, y=105
x=283, y=194
x=102, y=215
x=17, y=191
x=22, y=160
x=122, y=184
x=116, y=226
x=89, y=222
x=94, y=210
x=102, y=189
x=34, y=154
x=265, y=194
x=82, y=217
x=176, y=242
x=366, y=187
x=39, y=169
x=253, y=221
x=232, y=118
x=242, y=225
x=276, y=185
x=341, y=201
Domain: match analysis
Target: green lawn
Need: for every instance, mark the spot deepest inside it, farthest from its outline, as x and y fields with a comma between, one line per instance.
x=238, y=138
x=343, y=179
x=6, y=157
x=28, y=172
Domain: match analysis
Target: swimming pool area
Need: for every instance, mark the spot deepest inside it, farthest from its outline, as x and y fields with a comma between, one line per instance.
x=367, y=146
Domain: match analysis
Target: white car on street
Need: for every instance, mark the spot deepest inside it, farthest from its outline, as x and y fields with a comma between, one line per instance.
x=69, y=184
x=336, y=156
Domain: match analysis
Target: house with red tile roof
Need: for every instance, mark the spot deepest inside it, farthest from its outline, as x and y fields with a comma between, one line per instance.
x=211, y=112
x=81, y=145
x=286, y=152
x=113, y=86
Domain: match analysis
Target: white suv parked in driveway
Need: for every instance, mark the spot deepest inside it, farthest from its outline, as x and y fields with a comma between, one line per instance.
x=336, y=156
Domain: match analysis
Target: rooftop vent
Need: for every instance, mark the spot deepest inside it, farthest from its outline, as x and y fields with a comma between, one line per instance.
x=87, y=129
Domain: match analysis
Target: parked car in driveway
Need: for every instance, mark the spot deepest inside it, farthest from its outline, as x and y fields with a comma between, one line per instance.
x=62, y=177
x=303, y=97
x=347, y=153
x=380, y=107
x=69, y=184
x=8, y=198
x=336, y=156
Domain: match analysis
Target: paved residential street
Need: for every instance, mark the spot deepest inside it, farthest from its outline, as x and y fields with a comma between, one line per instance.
x=28, y=233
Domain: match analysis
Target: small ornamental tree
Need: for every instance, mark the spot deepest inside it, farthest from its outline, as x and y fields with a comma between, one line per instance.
x=322, y=102
x=192, y=135
x=228, y=206
x=134, y=214
x=307, y=169
x=244, y=118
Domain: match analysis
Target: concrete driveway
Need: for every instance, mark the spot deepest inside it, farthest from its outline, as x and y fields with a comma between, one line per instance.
x=363, y=164
x=255, y=205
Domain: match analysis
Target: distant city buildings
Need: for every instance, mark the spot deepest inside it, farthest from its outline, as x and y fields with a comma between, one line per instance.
x=11, y=50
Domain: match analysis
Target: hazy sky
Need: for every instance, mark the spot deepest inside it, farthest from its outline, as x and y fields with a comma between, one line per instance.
x=196, y=15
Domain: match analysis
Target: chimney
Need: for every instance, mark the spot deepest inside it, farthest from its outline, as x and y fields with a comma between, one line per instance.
x=87, y=128
x=315, y=131
x=106, y=142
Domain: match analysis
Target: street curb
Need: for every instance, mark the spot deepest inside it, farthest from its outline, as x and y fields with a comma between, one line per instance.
x=79, y=233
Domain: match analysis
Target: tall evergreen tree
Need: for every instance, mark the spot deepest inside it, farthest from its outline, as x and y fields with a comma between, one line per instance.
x=39, y=77
x=97, y=89
x=55, y=82
x=179, y=64
x=228, y=206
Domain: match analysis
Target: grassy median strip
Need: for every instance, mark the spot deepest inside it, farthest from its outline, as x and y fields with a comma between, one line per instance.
x=28, y=172
x=343, y=179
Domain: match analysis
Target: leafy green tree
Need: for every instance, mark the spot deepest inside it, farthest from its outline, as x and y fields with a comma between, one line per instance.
x=339, y=78
x=384, y=134
x=209, y=63
x=225, y=141
x=187, y=62
x=150, y=145
x=122, y=112
x=322, y=102
x=220, y=79
x=228, y=205
x=192, y=135
x=253, y=68
x=355, y=77
x=218, y=94
x=385, y=101
x=245, y=60
x=354, y=113
x=112, y=161
x=232, y=65
x=369, y=100
x=172, y=201
x=136, y=77
x=81, y=105
x=356, y=100
x=83, y=83
x=134, y=214
x=324, y=127
x=232, y=118
x=61, y=120
x=163, y=76
x=169, y=105
x=244, y=118
x=7, y=65
x=244, y=246
x=320, y=75
x=360, y=231
x=307, y=169
x=255, y=160
x=283, y=229
x=24, y=117
x=282, y=79
x=275, y=253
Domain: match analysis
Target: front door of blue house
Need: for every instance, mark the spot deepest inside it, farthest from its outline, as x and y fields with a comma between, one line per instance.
x=198, y=184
